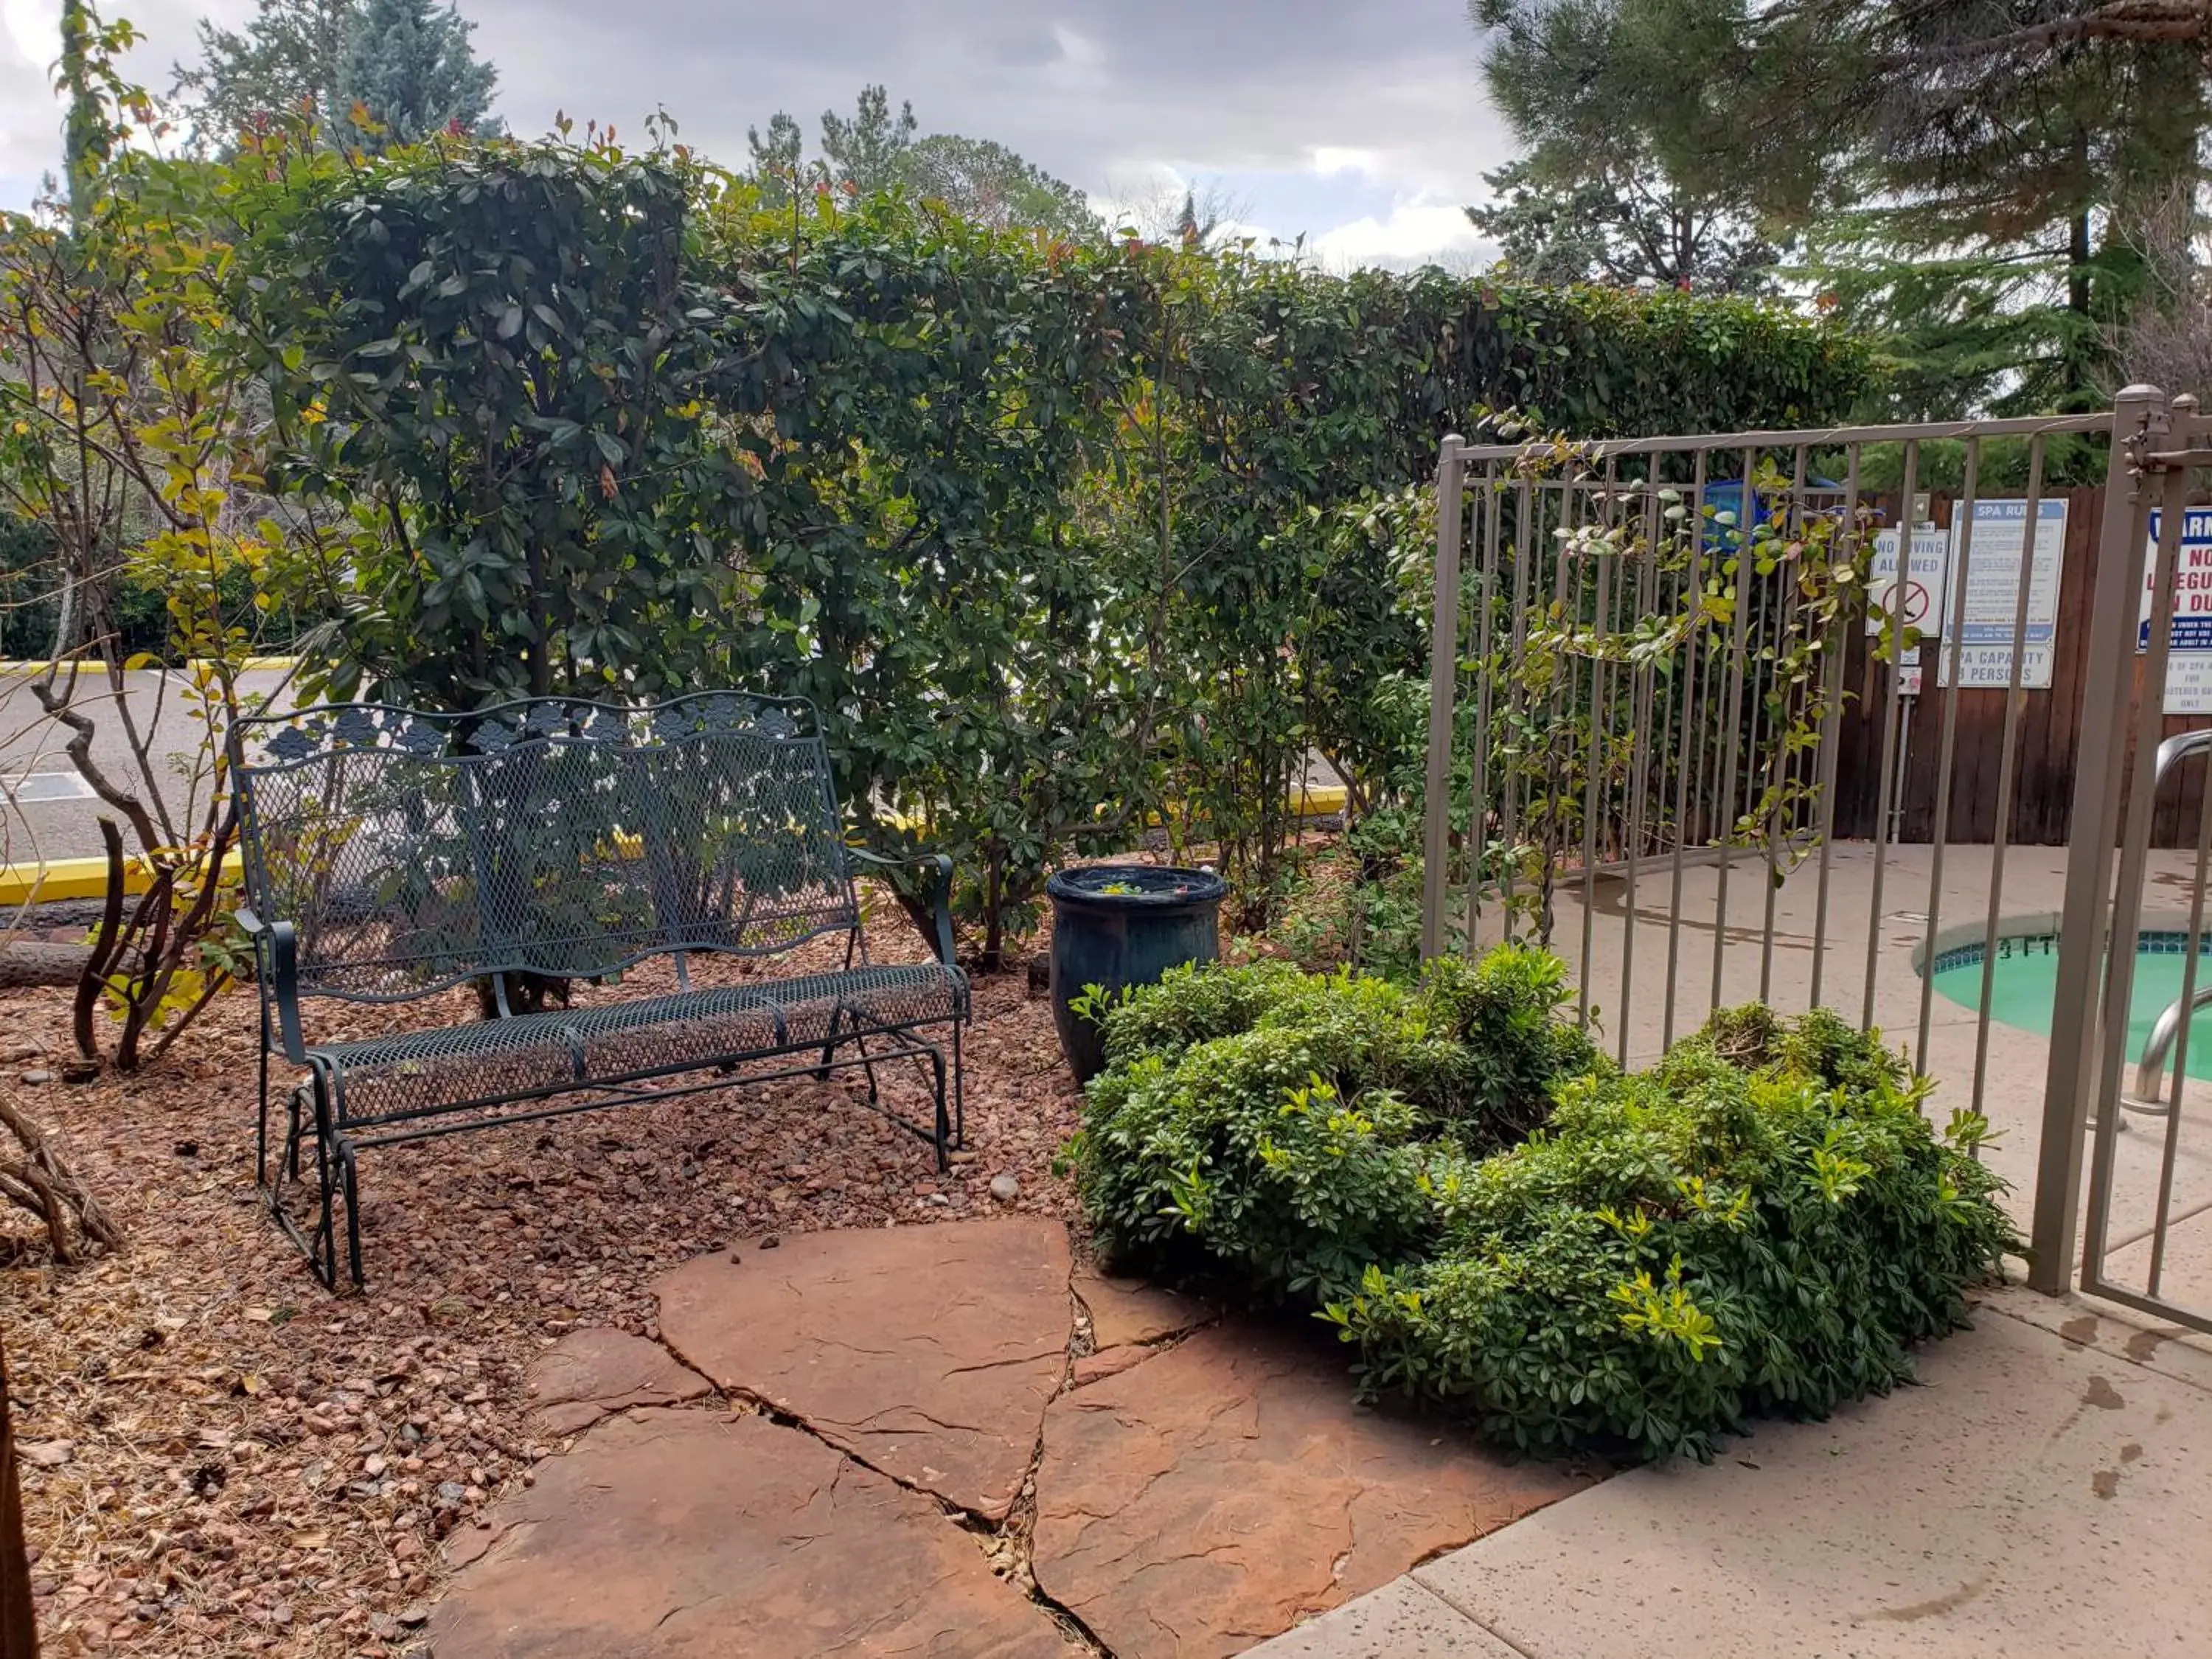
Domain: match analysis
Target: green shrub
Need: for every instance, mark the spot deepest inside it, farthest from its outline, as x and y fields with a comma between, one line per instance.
x=1284, y=1121
x=1748, y=1226
x=1762, y=1222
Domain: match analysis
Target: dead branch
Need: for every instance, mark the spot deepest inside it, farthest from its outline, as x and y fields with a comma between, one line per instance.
x=34, y=1178
x=35, y=961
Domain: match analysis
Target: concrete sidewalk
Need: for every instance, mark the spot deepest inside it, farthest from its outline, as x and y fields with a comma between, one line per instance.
x=2046, y=1491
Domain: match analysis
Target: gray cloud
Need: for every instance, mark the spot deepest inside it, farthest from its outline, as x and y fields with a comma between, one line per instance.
x=1304, y=107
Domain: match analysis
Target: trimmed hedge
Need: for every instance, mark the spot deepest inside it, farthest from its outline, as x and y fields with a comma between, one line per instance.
x=1051, y=528
x=1501, y=1221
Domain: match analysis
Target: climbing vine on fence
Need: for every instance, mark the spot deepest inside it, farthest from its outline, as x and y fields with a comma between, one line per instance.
x=1646, y=588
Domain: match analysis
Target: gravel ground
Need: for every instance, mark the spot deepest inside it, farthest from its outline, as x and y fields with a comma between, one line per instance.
x=222, y=1458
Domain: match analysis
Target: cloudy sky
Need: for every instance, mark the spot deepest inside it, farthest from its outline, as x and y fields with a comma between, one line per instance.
x=1361, y=124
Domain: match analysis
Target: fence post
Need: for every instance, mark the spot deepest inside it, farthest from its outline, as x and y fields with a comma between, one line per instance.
x=2138, y=414
x=1444, y=682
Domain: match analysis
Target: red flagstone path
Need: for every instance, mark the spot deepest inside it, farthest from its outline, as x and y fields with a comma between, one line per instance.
x=592, y=1372
x=688, y=1532
x=927, y=1352
x=1208, y=1499
x=1173, y=1498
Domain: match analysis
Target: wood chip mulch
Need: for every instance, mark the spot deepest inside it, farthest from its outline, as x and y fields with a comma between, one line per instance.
x=223, y=1458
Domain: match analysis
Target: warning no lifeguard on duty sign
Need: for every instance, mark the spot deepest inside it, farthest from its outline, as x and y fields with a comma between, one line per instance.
x=2189, y=669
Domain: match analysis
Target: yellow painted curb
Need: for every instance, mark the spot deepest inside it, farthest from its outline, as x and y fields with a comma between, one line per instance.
x=249, y=665
x=1323, y=802
x=87, y=879
x=76, y=879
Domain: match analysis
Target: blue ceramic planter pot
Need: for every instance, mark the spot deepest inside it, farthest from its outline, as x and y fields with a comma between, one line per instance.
x=1119, y=925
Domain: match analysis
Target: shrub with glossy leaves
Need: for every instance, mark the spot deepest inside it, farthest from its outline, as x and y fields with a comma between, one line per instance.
x=1283, y=1121
x=1763, y=1222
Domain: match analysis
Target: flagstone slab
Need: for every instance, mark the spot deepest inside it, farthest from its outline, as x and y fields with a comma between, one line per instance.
x=927, y=1352
x=672, y=1533
x=1214, y=1495
x=596, y=1371
x=1125, y=1312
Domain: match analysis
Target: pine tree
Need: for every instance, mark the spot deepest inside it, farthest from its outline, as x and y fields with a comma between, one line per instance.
x=777, y=158
x=1628, y=227
x=978, y=180
x=987, y=183
x=1615, y=187
x=409, y=67
x=288, y=60
x=868, y=152
x=1965, y=173
x=410, y=63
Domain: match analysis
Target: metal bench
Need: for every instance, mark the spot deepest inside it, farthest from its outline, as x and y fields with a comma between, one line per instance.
x=391, y=855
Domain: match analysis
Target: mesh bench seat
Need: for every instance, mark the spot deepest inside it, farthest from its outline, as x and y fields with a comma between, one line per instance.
x=390, y=854
x=407, y=1086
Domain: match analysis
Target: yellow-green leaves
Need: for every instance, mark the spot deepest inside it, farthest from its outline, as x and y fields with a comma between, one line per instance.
x=1665, y=1311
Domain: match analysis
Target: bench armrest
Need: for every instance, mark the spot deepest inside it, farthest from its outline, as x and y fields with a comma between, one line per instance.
x=941, y=918
x=275, y=945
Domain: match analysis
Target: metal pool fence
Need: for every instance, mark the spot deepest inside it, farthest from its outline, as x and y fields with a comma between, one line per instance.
x=1660, y=664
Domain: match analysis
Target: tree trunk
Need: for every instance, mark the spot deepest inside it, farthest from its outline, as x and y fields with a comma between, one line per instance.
x=96, y=964
x=19, y=1626
x=2079, y=251
x=994, y=942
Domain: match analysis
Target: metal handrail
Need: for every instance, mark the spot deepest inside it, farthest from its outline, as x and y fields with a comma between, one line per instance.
x=2175, y=750
x=2150, y=1071
x=2148, y=1096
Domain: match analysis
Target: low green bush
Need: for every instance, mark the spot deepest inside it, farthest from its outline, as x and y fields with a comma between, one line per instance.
x=1281, y=1122
x=1764, y=1221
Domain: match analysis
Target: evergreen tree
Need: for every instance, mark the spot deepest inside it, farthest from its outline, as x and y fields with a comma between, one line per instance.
x=980, y=180
x=1615, y=187
x=290, y=58
x=990, y=184
x=2012, y=150
x=410, y=63
x=777, y=158
x=409, y=66
x=1620, y=225
x=868, y=152
x=1966, y=173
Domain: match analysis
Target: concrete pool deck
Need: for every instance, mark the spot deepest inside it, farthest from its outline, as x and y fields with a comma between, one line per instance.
x=2046, y=1491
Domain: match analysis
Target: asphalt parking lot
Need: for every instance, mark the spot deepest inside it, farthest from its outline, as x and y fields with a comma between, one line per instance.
x=48, y=811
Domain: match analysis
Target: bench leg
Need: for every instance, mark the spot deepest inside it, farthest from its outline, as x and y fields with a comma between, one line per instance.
x=333, y=1159
x=261, y=1127
x=353, y=1214
x=959, y=1092
x=868, y=1065
x=829, y=1048
x=943, y=1124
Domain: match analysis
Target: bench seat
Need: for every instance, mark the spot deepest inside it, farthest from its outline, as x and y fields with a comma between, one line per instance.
x=414, y=1083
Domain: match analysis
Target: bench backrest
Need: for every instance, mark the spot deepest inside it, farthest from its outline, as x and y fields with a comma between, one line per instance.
x=412, y=851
